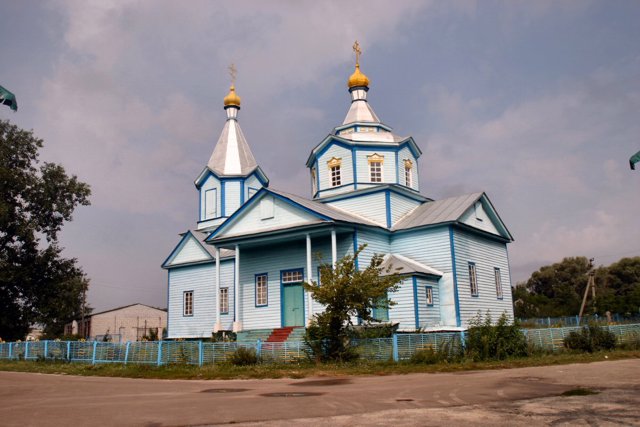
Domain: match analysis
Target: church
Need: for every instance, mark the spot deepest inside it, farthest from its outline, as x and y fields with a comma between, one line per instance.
x=242, y=266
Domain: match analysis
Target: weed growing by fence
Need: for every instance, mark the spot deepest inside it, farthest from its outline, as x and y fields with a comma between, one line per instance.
x=590, y=338
x=244, y=356
x=486, y=341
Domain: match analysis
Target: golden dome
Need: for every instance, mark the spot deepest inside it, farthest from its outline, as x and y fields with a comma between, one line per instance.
x=232, y=98
x=358, y=78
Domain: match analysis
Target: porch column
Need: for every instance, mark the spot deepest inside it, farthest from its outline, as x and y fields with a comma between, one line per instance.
x=218, y=324
x=309, y=278
x=334, y=249
x=237, y=324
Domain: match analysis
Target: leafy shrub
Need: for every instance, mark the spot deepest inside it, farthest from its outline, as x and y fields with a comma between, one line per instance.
x=325, y=346
x=486, y=341
x=244, y=356
x=384, y=330
x=591, y=338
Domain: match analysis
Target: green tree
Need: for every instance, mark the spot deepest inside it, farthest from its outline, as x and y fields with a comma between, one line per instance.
x=346, y=293
x=618, y=287
x=553, y=290
x=37, y=285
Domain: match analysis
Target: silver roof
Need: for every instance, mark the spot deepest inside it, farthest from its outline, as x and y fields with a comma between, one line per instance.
x=326, y=210
x=200, y=236
x=360, y=111
x=404, y=265
x=445, y=210
x=232, y=155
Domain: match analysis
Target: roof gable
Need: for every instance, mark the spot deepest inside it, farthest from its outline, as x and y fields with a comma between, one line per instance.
x=266, y=211
x=288, y=211
x=474, y=210
x=189, y=250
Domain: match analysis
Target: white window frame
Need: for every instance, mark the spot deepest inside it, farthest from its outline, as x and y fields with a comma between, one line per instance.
x=429, y=295
x=498, y=279
x=262, y=289
x=335, y=171
x=375, y=171
x=187, y=303
x=407, y=175
x=336, y=176
x=314, y=180
x=473, y=279
x=292, y=276
x=223, y=301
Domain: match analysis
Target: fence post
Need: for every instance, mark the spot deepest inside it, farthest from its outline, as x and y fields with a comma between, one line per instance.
x=200, y=354
x=95, y=347
x=258, y=347
x=126, y=352
x=26, y=350
x=394, y=341
x=463, y=340
x=10, y=350
x=68, y=350
x=46, y=349
x=577, y=321
x=159, y=361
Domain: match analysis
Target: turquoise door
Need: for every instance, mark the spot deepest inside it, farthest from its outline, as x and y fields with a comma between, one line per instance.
x=292, y=305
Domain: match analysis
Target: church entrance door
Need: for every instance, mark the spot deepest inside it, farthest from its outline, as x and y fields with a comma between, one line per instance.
x=293, y=305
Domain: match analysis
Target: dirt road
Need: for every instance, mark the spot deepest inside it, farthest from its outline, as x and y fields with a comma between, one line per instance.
x=525, y=396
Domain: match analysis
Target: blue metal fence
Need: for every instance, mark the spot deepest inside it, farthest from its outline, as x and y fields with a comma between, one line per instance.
x=554, y=322
x=397, y=348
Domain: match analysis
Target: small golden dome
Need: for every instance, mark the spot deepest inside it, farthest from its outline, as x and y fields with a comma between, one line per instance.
x=358, y=78
x=232, y=98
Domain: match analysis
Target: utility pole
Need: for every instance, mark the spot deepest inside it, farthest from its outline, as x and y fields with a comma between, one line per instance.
x=591, y=283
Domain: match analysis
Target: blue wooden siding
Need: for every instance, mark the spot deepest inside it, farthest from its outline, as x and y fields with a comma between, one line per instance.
x=201, y=280
x=371, y=206
x=428, y=246
x=232, y=191
x=346, y=170
x=210, y=183
x=401, y=205
x=403, y=312
x=251, y=182
x=428, y=315
x=388, y=165
x=405, y=154
x=486, y=254
x=377, y=243
x=477, y=217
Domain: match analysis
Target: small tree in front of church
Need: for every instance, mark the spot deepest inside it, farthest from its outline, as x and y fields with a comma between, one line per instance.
x=346, y=293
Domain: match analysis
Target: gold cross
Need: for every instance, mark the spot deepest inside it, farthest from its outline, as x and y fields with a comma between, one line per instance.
x=356, y=49
x=233, y=71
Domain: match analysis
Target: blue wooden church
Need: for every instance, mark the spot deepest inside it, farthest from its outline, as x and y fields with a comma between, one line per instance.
x=243, y=265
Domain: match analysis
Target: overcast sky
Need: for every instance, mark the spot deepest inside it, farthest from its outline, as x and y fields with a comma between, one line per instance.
x=537, y=103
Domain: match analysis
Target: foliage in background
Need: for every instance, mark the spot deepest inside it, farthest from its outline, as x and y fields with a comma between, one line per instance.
x=37, y=285
x=346, y=293
x=556, y=290
x=590, y=338
x=488, y=341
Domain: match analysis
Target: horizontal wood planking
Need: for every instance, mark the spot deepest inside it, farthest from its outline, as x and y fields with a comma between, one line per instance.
x=201, y=280
x=487, y=255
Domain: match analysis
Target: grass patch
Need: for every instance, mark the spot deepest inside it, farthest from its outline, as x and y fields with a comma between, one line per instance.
x=303, y=369
x=579, y=392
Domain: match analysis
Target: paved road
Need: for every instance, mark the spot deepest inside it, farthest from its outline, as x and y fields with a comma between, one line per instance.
x=526, y=396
